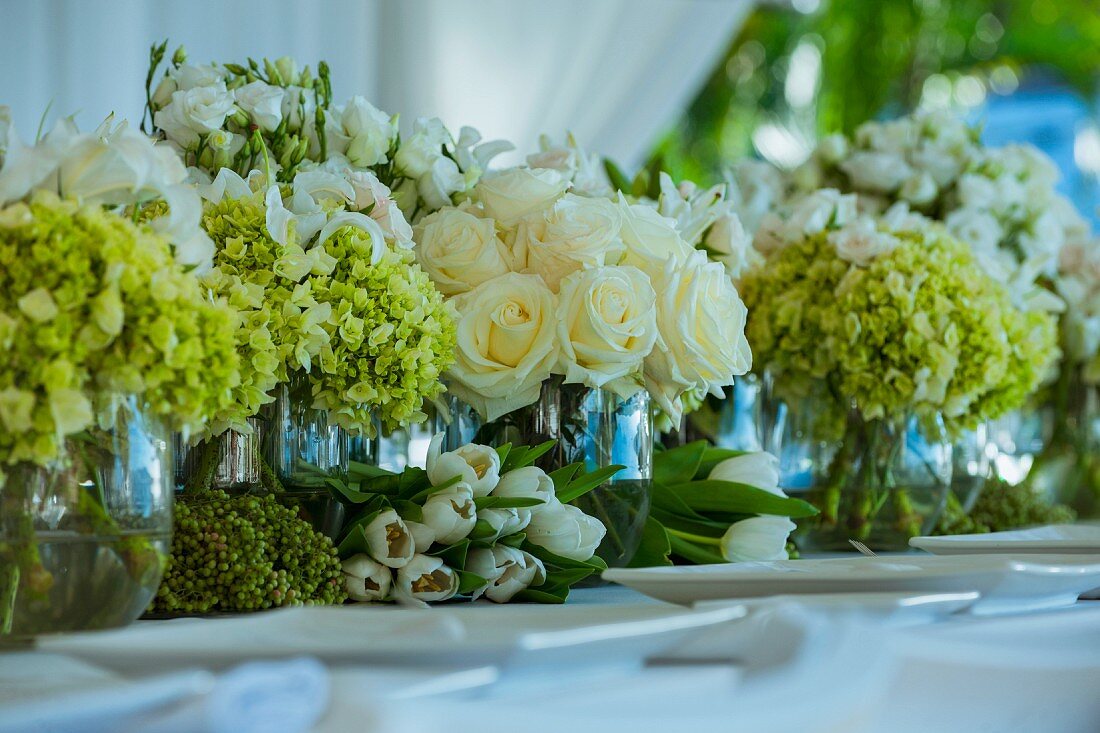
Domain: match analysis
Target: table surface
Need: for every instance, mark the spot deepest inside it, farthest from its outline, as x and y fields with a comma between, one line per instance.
x=797, y=667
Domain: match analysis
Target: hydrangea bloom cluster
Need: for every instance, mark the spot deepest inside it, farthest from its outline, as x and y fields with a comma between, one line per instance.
x=92, y=304
x=896, y=321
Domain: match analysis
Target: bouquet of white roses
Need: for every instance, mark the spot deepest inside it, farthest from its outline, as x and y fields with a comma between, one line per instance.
x=478, y=522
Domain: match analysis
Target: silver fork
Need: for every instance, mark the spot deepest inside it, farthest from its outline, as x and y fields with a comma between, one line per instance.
x=862, y=548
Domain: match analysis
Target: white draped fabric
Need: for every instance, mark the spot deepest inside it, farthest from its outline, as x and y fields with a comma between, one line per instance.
x=615, y=72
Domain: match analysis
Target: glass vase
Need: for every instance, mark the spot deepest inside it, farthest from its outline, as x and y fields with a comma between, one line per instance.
x=595, y=427
x=740, y=417
x=83, y=543
x=878, y=481
x=231, y=462
x=1066, y=470
x=972, y=457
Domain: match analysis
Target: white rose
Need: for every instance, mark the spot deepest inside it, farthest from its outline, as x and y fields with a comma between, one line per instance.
x=450, y=513
x=565, y=530
x=194, y=112
x=426, y=579
x=370, y=132
x=365, y=579
x=861, y=242
x=975, y=227
x=650, y=239
x=506, y=343
x=758, y=469
x=513, y=193
x=607, y=324
x=877, y=172
x=507, y=569
x=757, y=539
x=701, y=321
x=478, y=466
x=575, y=233
x=919, y=189
x=263, y=102
x=459, y=251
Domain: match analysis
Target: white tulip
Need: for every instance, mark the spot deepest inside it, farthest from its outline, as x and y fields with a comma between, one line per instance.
x=757, y=539
x=528, y=482
x=263, y=102
x=504, y=522
x=450, y=513
x=388, y=539
x=478, y=466
x=427, y=579
x=758, y=469
x=565, y=530
x=459, y=251
x=507, y=569
x=423, y=535
x=366, y=580
x=513, y=193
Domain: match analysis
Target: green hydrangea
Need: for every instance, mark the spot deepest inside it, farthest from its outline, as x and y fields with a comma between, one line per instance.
x=91, y=305
x=392, y=336
x=921, y=328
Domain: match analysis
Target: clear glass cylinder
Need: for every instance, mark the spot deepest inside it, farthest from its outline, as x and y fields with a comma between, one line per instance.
x=595, y=427
x=304, y=445
x=740, y=418
x=83, y=544
x=972, y=464
x=229, y=462
x=878, y=481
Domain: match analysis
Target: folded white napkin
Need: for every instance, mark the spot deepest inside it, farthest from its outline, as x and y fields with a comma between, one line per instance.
x=44, y=693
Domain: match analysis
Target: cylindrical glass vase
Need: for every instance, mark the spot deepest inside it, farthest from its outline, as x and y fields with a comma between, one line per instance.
x=230, y=462
x=594, y=427
x=971, y=465
x=877, y=481
x=83, y=543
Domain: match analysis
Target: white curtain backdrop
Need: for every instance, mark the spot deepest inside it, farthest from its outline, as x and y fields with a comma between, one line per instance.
x=615, y=72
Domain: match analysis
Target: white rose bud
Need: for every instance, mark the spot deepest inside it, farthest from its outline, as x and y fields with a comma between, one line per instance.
x=759, y=469
x=607, y=324
x=366, y=580
x=876, y=172
x=650, y=239
x=459, y=251
x=506, y=343
x=450, y=513
x=388, y=539
x=427, y=579
x=575, y=233
x=513, y=193
x=507, y=569
x=194, y=112
x=757, y=539
x=477, y=465
x=565, y=530
x=263, y=102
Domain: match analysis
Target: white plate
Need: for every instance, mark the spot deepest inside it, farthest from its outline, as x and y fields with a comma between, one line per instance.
x=1006, y=584
x=455, y=636
x=894, y=609
x=1057, y=539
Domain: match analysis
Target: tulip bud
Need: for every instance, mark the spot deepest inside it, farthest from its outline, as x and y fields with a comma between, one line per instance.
x=366, y=580
x=451, y=513
x=476, y=465
x=565, y=530
x=388, y=539
x=499, y=523
x=427, y=579
x=529, y=482
x=759, y=469
x=423, y=535
x=757, y=539
x=507, y=570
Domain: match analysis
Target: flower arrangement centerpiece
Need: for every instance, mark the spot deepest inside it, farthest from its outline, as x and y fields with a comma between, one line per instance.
x=477, y=522
x=575, y=309
x=109, y=341
x=881, y=337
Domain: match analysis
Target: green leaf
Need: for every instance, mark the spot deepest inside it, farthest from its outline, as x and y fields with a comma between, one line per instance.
x=482, y=530
x=664, y=498
x=522, y=457
x=548, y=558
x=454, y=555
x=705, y=527
x=536, y=595
x=469, y=582
x=563, y=476
x=343, y=491
x=424, y=493
x=737, y=498
x=586, y=482
x=654, y=548
x=678, y=465
x=506, y=502
x=619, y=180
x=409, y=511
x=503, y=451
x=565, y=579
x=354, y=542
x=360, y=471
x=694, y=553
x=513, y=540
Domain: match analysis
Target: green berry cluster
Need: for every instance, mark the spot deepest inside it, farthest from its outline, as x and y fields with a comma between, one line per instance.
x=1002, y=506
x=245, y=553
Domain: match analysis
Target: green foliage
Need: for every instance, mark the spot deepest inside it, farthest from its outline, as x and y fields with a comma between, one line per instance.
x=1002, y=506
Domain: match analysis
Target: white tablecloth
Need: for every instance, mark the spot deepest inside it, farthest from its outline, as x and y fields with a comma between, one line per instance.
x=789, y=667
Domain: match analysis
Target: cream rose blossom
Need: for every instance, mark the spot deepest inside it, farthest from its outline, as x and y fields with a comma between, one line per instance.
x=650, y=239
x=511, y=194
x=506, y=343
x=575, y=233
x=459, y=251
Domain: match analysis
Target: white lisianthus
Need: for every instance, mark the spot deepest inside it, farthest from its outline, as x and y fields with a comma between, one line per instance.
x=565, y=530
x=189, y=76
x=365, y=579
x=262, y=102
x=607, y=324
x=574, y=233
x=369, y=130
x=504, y=522
x=584, y=171
x=450, y=513
x=861, y=242
x=507, y=570
x=876, y=172
x=388, y=539
x=477, y=465
x=758, y=469
x=513, y=193
x=459, y=251
x=975, y=227
x=702, y=345
x=426, y=579
x=976, y=191
x=757, y=539
x=755, y=188
x=1042, y=236
x=651, y=239
x=195, y=112
x=506, y=344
